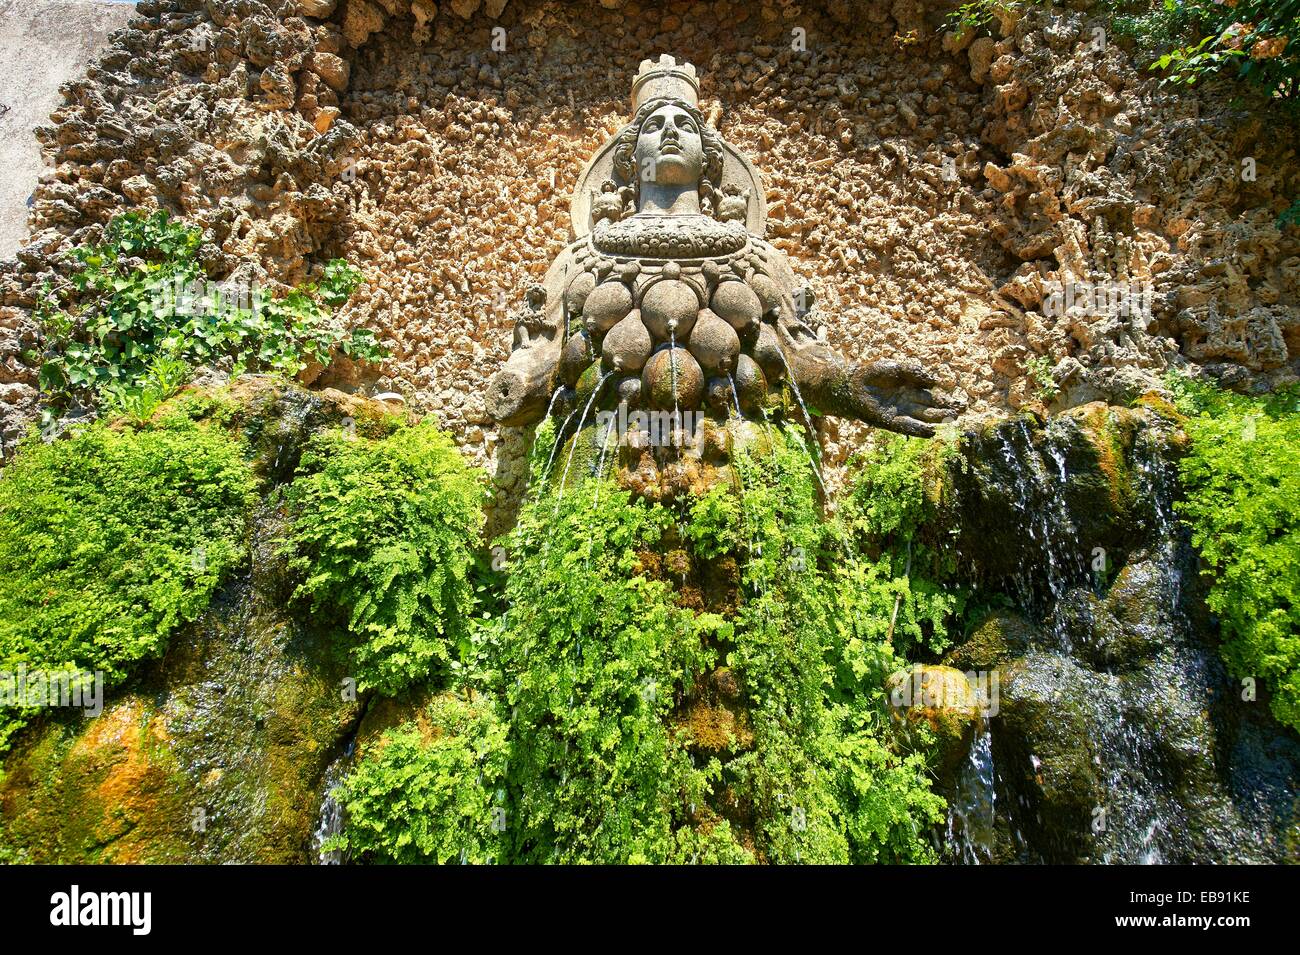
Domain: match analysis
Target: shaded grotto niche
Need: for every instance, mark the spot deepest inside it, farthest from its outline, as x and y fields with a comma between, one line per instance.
x=929, y=188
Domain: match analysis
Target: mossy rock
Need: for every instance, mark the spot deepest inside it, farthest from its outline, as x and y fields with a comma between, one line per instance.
x=999, y=639
x=384, y=713
x=1031, y=500
x=277, y=417
x=215, y=752
x=218, y=755
x=936, y=706
x=579, y=458
x=1043, y=743
x=106, y=789
x=1123, y=628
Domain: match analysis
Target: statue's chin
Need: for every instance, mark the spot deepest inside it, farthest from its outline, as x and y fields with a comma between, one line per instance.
x=675, y=171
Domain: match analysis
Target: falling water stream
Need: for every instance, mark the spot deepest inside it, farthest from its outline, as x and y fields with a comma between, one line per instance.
x=330, y=822
x=564, y=479
x=971, y=809
x=672, y=369
x=555, y=448
x=600, y=466
x=1116, y=741
x=794, y=387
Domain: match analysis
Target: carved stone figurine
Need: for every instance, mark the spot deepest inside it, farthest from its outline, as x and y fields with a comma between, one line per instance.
x=669, y=299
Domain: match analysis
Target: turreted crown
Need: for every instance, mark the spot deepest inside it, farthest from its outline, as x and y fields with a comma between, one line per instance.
x=666, y=79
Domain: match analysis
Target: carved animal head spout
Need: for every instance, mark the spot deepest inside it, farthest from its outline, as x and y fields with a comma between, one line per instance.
x=669, y=299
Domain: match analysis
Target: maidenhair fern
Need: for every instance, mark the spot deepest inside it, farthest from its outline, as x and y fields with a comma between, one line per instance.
x=383, y=535
x=1242, y=479
x=112, y=539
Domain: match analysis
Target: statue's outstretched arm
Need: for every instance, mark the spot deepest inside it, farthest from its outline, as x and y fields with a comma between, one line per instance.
x=894, y=395
x=519, y=393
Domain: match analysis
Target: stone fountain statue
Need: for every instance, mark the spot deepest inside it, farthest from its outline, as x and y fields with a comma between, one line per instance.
x=669, y=300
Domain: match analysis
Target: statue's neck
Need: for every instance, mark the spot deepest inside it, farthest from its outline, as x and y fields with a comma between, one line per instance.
x=657, y=199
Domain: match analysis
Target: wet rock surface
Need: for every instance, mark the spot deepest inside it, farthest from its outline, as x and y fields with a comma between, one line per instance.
x=217, y=751
x=1117, y=734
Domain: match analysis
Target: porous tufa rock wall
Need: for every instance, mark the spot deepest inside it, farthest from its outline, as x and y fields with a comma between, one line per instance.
x=392, y=132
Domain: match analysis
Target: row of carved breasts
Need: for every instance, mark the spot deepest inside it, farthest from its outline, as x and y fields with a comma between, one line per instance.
x=675, y=334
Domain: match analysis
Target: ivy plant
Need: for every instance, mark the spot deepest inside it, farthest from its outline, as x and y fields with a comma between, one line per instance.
x=139, y=297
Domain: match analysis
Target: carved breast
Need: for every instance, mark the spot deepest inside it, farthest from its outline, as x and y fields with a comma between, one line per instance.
x=675, y=329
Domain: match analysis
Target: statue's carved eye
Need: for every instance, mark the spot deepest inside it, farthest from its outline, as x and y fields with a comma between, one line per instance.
x=653, y=123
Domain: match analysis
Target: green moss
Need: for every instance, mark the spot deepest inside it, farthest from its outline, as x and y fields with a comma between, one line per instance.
x=111, y=540
x=579, y=457
x=1110, y=432
x=997, y=640
x=110, y=790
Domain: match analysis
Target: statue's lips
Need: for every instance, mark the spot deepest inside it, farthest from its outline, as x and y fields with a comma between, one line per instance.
x=670, y=149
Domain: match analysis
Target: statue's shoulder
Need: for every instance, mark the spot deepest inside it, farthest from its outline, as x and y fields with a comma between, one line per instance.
x=771, y=261
x=562, y=268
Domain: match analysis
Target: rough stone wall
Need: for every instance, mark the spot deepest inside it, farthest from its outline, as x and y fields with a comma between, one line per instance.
x=393, y=133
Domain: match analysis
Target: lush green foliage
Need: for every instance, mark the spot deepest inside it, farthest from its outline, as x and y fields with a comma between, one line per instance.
x=607, y=676
x=161, y=378
x=1259, y=38
x=619, y=749
x=383, y=532
x=896, y=495
x=112, y=539
x=1242, y=481
x=592, y=659
x=430, y=792
x=977, y=14
x=139, y=312
x=810, y=646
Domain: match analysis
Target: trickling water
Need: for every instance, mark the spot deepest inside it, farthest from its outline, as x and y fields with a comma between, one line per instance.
x=735, y=397
x=290, y=431
x=330, y=822
x=745, y=525
x=1114, y=687
x=971, y=811
x=551, y=406
x=794, y=387
x=1053, y=557
x=600, y=466
x=564, y=479
x=672, y=367
x=555, y=449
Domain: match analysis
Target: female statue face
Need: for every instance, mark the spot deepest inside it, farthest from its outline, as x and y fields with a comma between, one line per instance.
x=669, y=150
